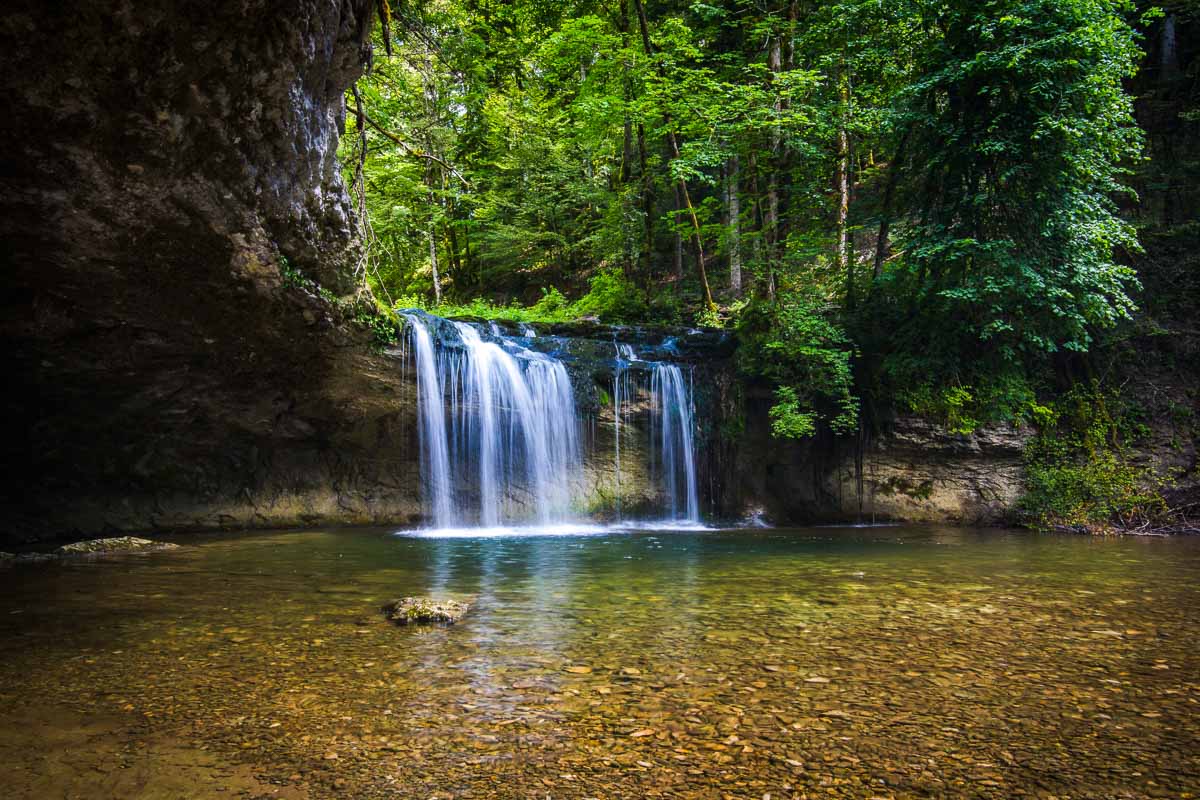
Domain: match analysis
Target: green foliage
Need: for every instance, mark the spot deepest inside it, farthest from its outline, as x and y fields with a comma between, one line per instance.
x=795, y=344
x=963, y=408
x=1021, y=122
x=486, y=309
x=1079, y=472
x=383, y=326
x=611, y=298
x=533, y=153
x=789, y=420
x=291, y=276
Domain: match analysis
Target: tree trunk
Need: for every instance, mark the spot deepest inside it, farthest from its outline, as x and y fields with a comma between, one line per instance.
x=1169, y=47
x=433, y=264
x=844, y=263
x=733, y=203
x=758, y=220
x=451, y=239
x=627, y=137
x=647, y=205
x=775, y=65
x=678, y=237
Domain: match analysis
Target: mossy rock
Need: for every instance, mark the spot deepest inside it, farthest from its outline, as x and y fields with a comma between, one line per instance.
x=425, y=611
x=119, y=544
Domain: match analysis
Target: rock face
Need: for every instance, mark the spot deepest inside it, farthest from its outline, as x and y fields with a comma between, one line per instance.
x=168, y=171
x=916, y=472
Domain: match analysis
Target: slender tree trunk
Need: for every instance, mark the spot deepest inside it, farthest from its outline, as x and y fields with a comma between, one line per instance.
x=431, y=102
x=451, y=238
x=775, y=65
x=627, y=136
x=845, y=264
x=682, y=184
x=733, y=203
x=1169, y=48
x=678, y=236
x=758, y=219
x=456, y=264
x=647, y=205
x=433, y=263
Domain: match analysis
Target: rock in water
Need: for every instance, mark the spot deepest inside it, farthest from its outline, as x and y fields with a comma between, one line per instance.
x=425, y=611
x=119, y=544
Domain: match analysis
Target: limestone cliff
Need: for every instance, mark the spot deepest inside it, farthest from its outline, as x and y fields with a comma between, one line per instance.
x=161, y=160
x=915, y=471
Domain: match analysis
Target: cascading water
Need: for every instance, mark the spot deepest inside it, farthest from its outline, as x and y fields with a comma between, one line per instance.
x=622, y=390
x=512, y=434
x=500, y=432
x=431, y=410
x=517, y=426
x=675, y=421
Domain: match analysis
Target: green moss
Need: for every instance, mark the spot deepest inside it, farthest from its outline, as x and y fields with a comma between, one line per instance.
x=896, y=485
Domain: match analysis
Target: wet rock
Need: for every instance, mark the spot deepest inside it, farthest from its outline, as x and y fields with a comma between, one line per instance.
x=425, y=611
x=12, y=559
x=118, y=544
x=916, y=471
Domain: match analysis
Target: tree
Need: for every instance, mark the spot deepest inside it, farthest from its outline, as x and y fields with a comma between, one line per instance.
x=1020, y=125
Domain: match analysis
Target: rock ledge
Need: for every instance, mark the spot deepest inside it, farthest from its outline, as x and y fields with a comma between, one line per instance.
x=118, y=544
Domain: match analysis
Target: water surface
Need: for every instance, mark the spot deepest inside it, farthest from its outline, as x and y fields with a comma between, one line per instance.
x=872, y=662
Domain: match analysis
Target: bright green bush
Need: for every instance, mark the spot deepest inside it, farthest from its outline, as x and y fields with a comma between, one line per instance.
x=611, y=298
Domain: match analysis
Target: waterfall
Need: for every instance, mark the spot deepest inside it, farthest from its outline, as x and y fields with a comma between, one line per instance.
x=518, y=423
x=512, y=432
x=622, y=391
x=500, y=432
x=676, y=441
x=431, y=410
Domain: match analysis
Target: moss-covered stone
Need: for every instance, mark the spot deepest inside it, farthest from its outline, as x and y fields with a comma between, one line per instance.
x=117, y=544
x=425, y=611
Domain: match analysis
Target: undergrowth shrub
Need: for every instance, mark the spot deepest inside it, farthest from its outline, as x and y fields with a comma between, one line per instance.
x=1079, y=471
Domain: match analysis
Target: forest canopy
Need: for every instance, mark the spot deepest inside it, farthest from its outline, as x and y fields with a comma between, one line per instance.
x=897, y=203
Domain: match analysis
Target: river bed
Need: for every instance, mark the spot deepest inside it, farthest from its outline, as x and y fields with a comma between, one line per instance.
x=820, y=662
